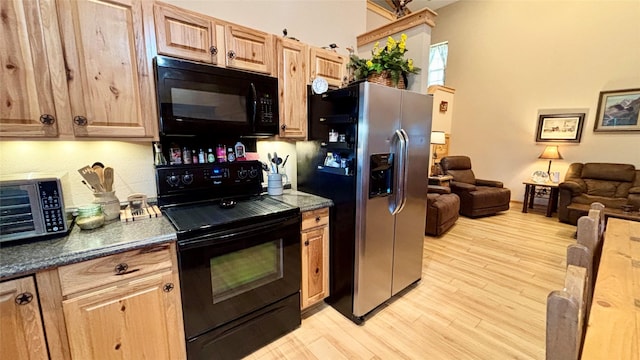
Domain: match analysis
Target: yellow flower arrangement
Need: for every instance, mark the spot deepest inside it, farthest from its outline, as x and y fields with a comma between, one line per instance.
x=389, y=58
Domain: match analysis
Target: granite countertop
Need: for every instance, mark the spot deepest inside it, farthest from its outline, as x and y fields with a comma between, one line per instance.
x=81, y=245
x=304, y=201
x=114, y=237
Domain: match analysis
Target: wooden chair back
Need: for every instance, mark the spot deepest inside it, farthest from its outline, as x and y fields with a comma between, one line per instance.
x=565, y=317
x=580, y=255
x=599, y=207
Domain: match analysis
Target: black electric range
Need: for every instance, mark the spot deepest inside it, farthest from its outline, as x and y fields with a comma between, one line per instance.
x=238, y=256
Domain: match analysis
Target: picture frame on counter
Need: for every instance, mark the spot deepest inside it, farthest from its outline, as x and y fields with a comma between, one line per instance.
x=618, y=111
x=562, y=128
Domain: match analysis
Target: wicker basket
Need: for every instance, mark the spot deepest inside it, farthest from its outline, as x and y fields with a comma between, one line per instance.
x=384, y=78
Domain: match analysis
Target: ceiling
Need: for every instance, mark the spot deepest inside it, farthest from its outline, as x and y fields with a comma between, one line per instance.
x=416, y=5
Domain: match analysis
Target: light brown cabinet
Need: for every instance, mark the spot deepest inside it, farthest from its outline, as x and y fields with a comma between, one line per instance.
x=21, y=331
x=109, y=75
x=329, y=65
x=29, y=38
x=292, y=84
x=185, y=34
x=315, y=257
x=249, y=49
x=124, y=306
x=76, y=68
x=188, y=35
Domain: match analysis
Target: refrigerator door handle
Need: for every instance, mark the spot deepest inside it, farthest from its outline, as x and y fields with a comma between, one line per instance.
x=404, y=168
x=401, y=184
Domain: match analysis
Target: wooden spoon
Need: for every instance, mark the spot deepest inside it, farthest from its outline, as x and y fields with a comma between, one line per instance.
x=108, y=178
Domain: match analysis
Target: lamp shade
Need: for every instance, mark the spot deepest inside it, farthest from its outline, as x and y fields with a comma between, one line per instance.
x=437, y=137
x=550, y=152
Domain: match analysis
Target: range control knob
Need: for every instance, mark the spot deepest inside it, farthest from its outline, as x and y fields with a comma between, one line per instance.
x=187, y=178
x=253, y=172
x=173, y=180
x=242, y=173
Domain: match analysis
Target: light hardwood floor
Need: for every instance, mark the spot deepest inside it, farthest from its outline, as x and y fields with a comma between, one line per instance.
x=482, y=296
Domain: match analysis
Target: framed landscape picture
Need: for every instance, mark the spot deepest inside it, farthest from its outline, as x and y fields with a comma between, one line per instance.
x=618, y=111
x=565, y=128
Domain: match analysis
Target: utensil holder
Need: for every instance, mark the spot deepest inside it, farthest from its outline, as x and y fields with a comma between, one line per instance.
x=110, y=204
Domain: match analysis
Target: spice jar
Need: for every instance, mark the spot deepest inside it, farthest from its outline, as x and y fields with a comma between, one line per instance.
x=90, y=217
x=110, y=204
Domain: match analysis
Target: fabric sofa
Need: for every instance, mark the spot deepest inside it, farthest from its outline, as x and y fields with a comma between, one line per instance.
x=442, y=210
x=611, y=184
x=478, y=197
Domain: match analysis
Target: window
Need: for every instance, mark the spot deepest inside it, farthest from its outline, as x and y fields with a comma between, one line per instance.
x=437, y=63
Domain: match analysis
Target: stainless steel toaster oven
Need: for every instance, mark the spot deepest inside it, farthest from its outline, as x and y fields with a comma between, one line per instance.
x=31, y=207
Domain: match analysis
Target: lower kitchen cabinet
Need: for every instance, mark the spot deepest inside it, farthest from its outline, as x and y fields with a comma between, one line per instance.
x=21, y=331
x=133, y=320
x=315, y=257
x=122, y=306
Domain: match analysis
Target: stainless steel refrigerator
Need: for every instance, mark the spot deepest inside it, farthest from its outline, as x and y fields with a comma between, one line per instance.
x=368, y=151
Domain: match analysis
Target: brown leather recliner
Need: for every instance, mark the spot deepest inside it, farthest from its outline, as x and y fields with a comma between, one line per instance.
x=442, y=210
x=611, y=184
x=477, y=197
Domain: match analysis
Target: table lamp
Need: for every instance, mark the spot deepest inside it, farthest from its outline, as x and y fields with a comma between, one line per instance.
x=550, y=153
x=437, y=138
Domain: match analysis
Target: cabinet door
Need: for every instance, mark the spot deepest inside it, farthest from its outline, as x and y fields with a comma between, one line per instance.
x=249, y=49
x=185, y=34
x=27, y=90
x=329, y=65
x=21, y=331
x=109, y=77
x=292, y=82
x=315, y=265
x=139, y=319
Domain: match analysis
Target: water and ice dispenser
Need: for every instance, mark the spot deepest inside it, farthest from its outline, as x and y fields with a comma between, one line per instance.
x=381, y=175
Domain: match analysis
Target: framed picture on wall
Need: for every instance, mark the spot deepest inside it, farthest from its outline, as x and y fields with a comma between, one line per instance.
x=618, y=111
x=566, y=128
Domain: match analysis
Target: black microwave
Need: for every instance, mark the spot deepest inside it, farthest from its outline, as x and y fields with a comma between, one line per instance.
x=199, y=99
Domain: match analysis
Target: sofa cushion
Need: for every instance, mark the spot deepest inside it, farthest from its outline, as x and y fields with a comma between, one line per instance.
x=459, y=167
x=487, y=197
x=609, y=172
x=613, y=189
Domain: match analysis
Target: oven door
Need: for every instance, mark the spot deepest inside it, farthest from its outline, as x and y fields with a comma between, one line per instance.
x=229, y=274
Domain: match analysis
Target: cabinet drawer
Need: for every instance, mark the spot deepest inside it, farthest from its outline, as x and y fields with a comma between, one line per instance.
x=110, y=269
x=313, y=218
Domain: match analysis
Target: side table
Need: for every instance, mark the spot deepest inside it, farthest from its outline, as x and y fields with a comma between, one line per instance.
x=441, y=180
x=530, y=194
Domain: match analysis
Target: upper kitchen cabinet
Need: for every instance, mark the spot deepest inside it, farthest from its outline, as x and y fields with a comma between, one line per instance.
x=249, y=49
x=329, y=65
x=29, y=44
x=185, y=34
x=189, y=35
x=109, y=75
x=292, y=86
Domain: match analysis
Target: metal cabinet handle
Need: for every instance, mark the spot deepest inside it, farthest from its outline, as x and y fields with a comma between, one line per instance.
x=121, y=268
x=213, y=50
x=318, y=219
x=168, y=287
x=47, y=119
x=24, y=298
x=306, y=243
x=283, y=127
x=231, y=54
x=80, y=120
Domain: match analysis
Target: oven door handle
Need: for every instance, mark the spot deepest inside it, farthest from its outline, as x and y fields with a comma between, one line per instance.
x=224, y=236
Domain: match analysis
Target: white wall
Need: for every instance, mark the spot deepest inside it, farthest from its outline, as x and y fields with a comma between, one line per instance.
x=510, y=59
x=314, y=22
x=317, y=22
